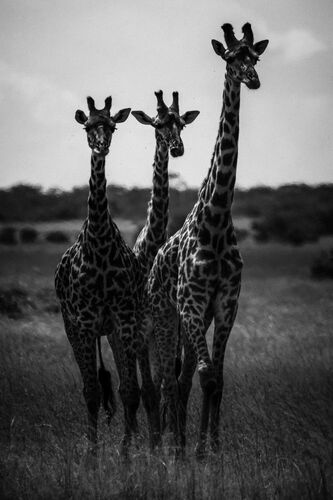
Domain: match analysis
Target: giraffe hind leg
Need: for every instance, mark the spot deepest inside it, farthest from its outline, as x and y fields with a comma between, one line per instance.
x=105, y=380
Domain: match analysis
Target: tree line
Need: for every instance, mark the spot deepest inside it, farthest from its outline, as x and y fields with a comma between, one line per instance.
x=294, y=213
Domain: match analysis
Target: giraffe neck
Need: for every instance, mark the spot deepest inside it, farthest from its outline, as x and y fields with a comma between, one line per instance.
x=218, y=189
x=98, y=210
x=153, y=234
x=157, y=216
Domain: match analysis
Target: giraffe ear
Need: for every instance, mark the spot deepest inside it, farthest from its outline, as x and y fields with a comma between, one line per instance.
x=260, y=47
x=80, y=116
x=142, y=117
x=189, y=116
x=219, y=48
x=122, y=115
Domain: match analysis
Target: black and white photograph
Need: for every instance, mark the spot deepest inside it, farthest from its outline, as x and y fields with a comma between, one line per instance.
x=166, y=250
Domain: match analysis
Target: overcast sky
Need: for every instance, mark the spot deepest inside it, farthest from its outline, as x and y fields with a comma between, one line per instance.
x=56, y=52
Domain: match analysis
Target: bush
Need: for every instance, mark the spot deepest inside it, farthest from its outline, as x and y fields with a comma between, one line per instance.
x=28, y=235
x=13, y=302
x=8, y=235
x=261, y=234
x=322, y=266
x=287, y=227
x=57, y=237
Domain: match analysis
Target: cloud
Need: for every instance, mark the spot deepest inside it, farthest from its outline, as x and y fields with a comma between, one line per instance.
x=42, y=98
x=297, y=44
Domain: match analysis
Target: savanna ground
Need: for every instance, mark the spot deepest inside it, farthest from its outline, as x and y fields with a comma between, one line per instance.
x=277, y=404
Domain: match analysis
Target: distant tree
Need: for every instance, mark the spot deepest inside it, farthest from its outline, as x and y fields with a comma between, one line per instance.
x=28, y=235
x=322, y=266
x=8, y=236
x=57, y=237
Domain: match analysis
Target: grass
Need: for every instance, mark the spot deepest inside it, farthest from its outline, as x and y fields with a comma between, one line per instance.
x=277, y=406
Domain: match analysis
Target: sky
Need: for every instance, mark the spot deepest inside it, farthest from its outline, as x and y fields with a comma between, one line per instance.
x=54, y=53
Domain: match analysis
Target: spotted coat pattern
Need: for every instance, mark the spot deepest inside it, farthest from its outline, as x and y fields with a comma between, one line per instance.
x=196, y=276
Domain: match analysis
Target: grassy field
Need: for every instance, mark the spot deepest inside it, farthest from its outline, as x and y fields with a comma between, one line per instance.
x=277, y=406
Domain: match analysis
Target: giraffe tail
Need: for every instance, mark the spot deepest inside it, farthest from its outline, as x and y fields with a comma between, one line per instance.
x=104, y=377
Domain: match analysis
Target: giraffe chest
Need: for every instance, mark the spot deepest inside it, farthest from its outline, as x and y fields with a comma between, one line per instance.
x=97, y=281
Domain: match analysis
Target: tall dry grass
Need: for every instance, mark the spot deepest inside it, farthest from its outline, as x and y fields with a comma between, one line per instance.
x=277, y=405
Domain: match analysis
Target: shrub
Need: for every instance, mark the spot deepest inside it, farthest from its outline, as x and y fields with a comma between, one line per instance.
x=287, y=227
x=8, y=235
x=261, y=234
x=13, y=302
x=28, y=235
x=322, y=266
x=57, y=237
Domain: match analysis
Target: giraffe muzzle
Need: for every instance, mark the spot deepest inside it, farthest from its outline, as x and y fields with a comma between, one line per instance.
x=252, y=80
x=176, y=150
x=99, y=150
x=253, y=84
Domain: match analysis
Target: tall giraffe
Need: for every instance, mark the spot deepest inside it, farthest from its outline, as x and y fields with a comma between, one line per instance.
x=100, y=283
x=196, y=275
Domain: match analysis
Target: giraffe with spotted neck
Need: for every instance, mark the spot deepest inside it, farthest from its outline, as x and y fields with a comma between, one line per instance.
x=196, y=276
x=168, y=125
x=100, y=280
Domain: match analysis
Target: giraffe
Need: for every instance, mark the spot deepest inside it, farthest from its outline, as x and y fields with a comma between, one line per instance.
x=196, y=276
x=100, y=282
x=168, y=125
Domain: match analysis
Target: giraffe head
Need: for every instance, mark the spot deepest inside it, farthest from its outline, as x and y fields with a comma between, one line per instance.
x=100, y=125
x=241, y=55
x=168, y=123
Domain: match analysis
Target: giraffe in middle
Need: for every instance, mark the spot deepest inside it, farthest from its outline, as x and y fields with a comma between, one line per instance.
x=196, y=275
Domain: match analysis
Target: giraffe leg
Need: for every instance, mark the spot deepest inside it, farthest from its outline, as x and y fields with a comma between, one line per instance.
x=225, y=310
x=165, y=322
x=194, y=329
x=149, y=392
x=185, y=384
x=150, y=398
x=83, y=343
x=185, y=379
x=125, y=359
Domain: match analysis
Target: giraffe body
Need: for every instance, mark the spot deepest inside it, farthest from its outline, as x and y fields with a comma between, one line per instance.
x=196, y=275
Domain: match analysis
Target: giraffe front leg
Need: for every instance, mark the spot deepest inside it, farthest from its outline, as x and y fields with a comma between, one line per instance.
x=125, y=358
x=165, y=335
x=83, y=343
x=225, y=310
x=185, y=379
x=195, y=329
x=185, y=384
x=150, y=394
